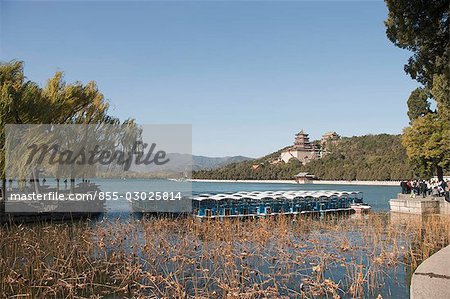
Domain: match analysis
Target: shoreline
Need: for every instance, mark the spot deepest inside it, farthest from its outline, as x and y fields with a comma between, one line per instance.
x=314, y=182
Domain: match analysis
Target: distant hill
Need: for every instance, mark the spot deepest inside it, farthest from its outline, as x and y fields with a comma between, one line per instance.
x=184, y=162
x=369, y=157
x=202, y=162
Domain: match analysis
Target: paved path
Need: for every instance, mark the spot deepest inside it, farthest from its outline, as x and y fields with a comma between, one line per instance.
x=432, y=278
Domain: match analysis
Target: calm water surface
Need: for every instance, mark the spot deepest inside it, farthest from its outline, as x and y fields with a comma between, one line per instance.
x=396, y=282
x=377, y=196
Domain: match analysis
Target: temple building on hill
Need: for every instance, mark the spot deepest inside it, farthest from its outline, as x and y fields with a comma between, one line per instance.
x=302, y=141
x=329, y=137
x=305, y=150
x=302, y=150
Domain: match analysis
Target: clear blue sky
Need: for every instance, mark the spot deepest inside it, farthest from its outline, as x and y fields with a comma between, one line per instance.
x=246, y=75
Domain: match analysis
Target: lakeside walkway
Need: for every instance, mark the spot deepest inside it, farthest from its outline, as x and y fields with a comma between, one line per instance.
x=432, y=278
x=313, y=182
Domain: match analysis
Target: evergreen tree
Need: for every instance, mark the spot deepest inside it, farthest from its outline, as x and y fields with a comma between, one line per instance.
x=422, y=27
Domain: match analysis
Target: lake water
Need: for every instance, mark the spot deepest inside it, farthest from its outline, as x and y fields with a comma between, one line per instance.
x=395, y=282
x=376, y=196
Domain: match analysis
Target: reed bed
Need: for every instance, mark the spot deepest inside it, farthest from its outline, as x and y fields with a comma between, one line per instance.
x=183, y=258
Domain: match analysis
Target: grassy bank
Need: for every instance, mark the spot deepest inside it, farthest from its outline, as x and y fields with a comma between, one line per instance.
x=183, y=258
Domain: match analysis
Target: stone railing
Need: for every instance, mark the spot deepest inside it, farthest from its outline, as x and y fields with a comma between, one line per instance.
x=419, y=205
x=432, y=278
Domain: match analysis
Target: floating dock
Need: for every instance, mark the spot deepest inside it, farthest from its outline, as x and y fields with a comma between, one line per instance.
x=268, y=203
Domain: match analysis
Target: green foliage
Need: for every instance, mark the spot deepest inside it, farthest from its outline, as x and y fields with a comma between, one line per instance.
x=418, y=104
x=422, y=27
x=427, y=141
x=441, y=92
x=371, y=157
x=25, y=102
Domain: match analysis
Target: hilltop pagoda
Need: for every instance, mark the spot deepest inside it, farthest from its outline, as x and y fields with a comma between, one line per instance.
x=302, y=141
x=302, y=150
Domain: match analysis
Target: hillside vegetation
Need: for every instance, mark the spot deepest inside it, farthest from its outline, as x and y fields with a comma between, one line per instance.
x=370, y=157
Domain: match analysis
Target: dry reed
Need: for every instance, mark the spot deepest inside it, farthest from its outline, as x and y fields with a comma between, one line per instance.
x=183, y=258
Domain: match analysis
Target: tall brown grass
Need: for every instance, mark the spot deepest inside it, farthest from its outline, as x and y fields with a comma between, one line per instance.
x=184, y=258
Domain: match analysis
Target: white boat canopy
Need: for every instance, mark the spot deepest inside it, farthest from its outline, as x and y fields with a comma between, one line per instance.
x=260, y=195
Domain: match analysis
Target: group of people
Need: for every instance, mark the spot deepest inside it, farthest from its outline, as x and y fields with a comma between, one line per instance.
x=432, y=187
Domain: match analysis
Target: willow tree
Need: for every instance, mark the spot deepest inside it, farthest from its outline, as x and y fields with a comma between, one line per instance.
x=25, y=102
x=20, y=102
x=422, y=27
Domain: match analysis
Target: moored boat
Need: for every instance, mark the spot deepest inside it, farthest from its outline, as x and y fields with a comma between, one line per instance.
x=268, y=203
